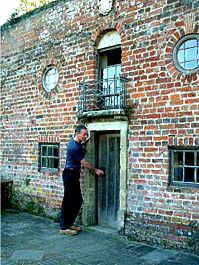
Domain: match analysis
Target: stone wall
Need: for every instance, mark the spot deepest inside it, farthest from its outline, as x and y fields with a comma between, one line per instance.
x=163, y=103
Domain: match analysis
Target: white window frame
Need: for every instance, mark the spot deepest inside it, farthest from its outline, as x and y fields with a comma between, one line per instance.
x=175, y=54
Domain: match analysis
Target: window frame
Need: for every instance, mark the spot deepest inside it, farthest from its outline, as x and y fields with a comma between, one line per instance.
x=47, y=69
x=49, y=169
x=175, y=54
x=111, y=93
x=172, y=150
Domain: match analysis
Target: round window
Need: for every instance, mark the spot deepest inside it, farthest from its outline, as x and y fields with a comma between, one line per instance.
x=186, y=54
x=50, y=78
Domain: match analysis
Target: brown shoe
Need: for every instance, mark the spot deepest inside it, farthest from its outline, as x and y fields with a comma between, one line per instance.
x=68, y=232
x=76, y=228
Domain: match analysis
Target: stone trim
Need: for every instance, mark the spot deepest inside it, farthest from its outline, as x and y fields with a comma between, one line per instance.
x=121, y=126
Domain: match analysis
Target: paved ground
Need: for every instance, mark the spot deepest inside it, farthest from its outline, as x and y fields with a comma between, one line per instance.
x=28, y=239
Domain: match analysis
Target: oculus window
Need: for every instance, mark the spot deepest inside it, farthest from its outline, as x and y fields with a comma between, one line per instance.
x=48, y=156
x=186, y=54
x=184, y=166
x=50, y=78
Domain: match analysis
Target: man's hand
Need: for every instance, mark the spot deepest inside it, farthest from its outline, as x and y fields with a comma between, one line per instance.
x=99, y=172
x=86, y=164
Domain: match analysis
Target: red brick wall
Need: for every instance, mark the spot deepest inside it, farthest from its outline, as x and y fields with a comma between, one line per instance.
x=164, y=103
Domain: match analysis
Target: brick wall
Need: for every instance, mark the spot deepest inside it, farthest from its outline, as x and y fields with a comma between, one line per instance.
x=163, y=103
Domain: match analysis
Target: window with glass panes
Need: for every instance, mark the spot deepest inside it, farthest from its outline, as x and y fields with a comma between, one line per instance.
x=50, y=78
x=109, y=74
x=186, y=54
x=48, y=156
x=184, y=166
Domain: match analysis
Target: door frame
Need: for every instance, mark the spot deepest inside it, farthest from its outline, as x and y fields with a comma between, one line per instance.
x=122, y=127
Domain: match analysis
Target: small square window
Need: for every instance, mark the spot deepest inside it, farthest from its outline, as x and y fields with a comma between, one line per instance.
x=48, y=156
x=184, y=166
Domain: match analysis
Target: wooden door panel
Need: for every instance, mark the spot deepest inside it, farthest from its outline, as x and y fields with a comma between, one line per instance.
x=108, y=186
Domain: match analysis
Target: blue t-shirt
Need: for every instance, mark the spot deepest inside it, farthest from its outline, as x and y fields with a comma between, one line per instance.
x=74, y=154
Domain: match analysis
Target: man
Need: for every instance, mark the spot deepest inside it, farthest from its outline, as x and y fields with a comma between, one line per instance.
x=72, y=199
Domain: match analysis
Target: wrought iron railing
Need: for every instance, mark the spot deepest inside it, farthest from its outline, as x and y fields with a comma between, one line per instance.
x=103, y=94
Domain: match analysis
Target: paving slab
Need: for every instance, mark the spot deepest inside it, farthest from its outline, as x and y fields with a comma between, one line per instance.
x=29, y=255
x=32, y=240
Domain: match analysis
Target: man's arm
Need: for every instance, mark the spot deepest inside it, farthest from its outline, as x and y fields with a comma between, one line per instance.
x=86, y=164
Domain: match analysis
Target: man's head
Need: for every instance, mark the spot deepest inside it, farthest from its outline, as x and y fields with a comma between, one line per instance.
x=81, y=133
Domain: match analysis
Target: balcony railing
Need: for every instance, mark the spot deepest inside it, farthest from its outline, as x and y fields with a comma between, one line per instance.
x=104, y=94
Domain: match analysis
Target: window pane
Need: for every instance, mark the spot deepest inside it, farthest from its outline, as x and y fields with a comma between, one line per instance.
x=111, y=72
x=55, y=152
x=197, y=175
x=44, y=150
x=50, y=151
x=181, y=56
x=197, y=163
x=190, y=54
x=189, y=158
x=178, y=158
x=178, y=174
x=118, y=70
x=44, y=162
x=190, y=65
x=190, y=43
x=189, y=174
x=50, y=162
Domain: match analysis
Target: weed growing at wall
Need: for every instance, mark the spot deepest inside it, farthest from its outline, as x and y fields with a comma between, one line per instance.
x=34, y=201
x=24, y=200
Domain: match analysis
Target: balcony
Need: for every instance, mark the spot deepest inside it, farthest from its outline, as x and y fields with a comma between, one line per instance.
x=102, y=97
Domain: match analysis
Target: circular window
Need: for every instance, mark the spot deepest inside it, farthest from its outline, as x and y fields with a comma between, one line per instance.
x=186, y=54
x=50, y=78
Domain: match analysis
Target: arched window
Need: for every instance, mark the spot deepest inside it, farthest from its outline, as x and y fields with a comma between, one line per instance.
x=109, y=53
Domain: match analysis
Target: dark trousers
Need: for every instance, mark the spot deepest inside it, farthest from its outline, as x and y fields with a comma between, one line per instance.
x=72, y=199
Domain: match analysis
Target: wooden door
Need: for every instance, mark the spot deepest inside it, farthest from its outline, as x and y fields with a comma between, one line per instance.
x=108, y=186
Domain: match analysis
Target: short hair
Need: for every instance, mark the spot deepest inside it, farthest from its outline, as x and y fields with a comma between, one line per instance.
x=80, y=127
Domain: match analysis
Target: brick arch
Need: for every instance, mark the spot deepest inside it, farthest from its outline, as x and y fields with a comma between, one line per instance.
x=106, y=27
x=187, y=28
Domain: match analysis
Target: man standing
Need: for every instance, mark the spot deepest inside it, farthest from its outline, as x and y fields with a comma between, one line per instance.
x=72, y=199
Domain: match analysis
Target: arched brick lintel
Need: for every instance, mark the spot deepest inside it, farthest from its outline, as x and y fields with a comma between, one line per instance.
x=105, y=27
x=187, y=28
